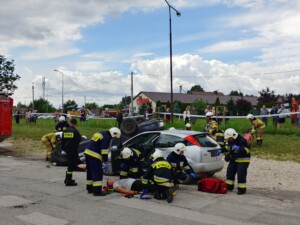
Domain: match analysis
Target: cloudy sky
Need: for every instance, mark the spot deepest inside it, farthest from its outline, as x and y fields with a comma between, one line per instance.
x=223, y=45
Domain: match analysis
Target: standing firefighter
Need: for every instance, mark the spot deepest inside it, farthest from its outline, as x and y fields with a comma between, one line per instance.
x=70, y=142
x=159, y=176
x=96, y=154
x=238, y=157
x=258, y=126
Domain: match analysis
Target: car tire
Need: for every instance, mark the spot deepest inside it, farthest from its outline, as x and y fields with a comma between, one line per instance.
x=129, y=126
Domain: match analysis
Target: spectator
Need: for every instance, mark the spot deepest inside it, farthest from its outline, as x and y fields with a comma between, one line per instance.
x=264, y=112
x=186, y=115
x=294, y=120
x=119, y=118
x=274, y=118
x=298, y=115
x=82, y=114
x=193, y=118
x=167, y=115
x=17, y=116
x=208, y=109
x=281, y=117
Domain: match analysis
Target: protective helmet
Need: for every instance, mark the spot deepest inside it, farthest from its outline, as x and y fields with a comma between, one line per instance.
x=61, y=118
x=209, y=114
x=188, y=125
x=84, y=137
x=250, y=116
x=126, y=153
x=230, y=133
x=157, y=154
x=179, y=147
x=172, y=128
x=115, y=132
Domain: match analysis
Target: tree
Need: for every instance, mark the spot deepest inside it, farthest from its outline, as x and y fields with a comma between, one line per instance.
x=142, y=109
x=236, y=93
x=243, y=107
x=178, y=107
x=125, y=101
x=70, y=105
x=231, y=107
x=267, y=98
x=42, y=105
x=196, y=88
x=92, y=106
x=7, y=76
x=199, y=105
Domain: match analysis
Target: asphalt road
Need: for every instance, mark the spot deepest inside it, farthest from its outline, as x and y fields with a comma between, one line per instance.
x=30, y=193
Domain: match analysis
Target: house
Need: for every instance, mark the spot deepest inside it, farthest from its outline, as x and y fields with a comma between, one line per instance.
x=165, y=97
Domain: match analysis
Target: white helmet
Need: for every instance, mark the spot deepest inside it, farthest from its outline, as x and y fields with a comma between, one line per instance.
x=61, y=118
x=115, y=132
x=209, y=114
x=126, y=153
x=250, y=116
x=188, y=125
x=172, y=128
x=230, y=133
x=157, y=154
x=179, y=147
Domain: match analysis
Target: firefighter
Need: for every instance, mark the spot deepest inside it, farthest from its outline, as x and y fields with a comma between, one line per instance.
x=238, y=157
x=210, y=119
x=130, y=165
x=159, y=176
x=96, y=154
x=188, y=126
x=182, y=171
x=70, y=142
x=258, y=126
x=217, y=135
x=62, y=125
x=49, y=140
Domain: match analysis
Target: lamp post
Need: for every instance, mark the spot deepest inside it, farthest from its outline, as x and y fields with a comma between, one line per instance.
x=62, y=90
x=171, y=67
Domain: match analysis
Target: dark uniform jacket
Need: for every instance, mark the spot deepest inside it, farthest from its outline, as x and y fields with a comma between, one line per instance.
x=160, y=173
x=98, y=146
x=179, y=163
x=131, y=167
x=243, y=154
x=61, y=126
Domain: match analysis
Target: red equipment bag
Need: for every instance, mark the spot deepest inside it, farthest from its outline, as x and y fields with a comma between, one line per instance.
x=212, y=185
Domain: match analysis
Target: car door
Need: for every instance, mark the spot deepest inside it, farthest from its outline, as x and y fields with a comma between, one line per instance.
x=166, y=143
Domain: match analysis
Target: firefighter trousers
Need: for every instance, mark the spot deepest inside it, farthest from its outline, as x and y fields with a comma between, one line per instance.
x=94, y=174
x=241, y=170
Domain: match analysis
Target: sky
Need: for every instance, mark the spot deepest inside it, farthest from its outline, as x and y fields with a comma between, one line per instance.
x=95, y=45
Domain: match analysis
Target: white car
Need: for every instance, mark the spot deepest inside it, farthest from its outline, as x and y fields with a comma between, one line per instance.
x=202, y=152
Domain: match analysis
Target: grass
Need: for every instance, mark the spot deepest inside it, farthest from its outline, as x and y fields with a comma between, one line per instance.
x=282, y=145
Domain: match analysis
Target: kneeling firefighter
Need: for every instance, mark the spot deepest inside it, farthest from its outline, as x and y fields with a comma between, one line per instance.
x=238, y=156
x=130, y=165
x=259, y=126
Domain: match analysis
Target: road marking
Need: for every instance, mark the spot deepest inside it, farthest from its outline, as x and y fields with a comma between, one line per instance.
x=42, y=219
x=11, y=200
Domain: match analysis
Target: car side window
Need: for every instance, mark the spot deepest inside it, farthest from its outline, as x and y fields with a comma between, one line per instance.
x=167, y=141
x=143, y=142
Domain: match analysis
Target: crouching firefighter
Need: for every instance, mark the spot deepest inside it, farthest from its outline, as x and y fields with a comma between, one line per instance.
x=183, y=173
x=131, y=166
x=238, y=156
x=159, y=177
x=259, y=126
x=96, y=154
x=69, y=143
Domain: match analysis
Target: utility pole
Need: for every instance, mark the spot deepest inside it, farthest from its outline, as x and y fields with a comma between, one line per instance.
x=32, y=95
x=44, y=86
x=131, y=93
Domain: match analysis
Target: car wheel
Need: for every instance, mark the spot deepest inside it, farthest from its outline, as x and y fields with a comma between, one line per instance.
x=129, y=126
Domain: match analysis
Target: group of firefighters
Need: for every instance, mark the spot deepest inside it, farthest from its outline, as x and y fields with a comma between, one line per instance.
x=163, y=175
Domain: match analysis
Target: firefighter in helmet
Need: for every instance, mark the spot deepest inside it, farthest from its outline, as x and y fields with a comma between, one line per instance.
x=210, y=119
x=96, y=154
x=217, y=135
x=130, y=165
x=258, y=126
x=238, y=157
x=160, y=177
x=183, y=172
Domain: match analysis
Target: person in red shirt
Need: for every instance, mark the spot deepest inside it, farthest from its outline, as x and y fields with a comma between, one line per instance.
x=294, y=118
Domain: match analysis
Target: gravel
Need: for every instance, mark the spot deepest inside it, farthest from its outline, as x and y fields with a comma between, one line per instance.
x=270, y=175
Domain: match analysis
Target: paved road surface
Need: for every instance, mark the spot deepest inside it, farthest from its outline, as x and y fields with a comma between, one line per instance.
x=30, y=193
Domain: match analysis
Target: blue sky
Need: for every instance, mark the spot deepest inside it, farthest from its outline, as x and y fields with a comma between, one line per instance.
x=222, y=45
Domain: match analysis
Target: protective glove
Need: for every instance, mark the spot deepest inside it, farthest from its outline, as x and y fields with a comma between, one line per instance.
x=236, y=147
x=227, y=157
x=193, y=175
x=105, y=166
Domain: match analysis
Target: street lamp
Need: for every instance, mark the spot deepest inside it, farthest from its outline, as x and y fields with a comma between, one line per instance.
x=171, y=67
x=62, y=90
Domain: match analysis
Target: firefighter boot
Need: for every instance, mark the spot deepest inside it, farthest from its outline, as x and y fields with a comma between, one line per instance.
x=230, y=187
x=97, y=191
x=89, y=189
x=241, y=191
x=69, y=181
x=169, y=195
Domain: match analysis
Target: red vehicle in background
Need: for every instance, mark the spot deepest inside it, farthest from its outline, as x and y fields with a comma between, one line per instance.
x=6, y=105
